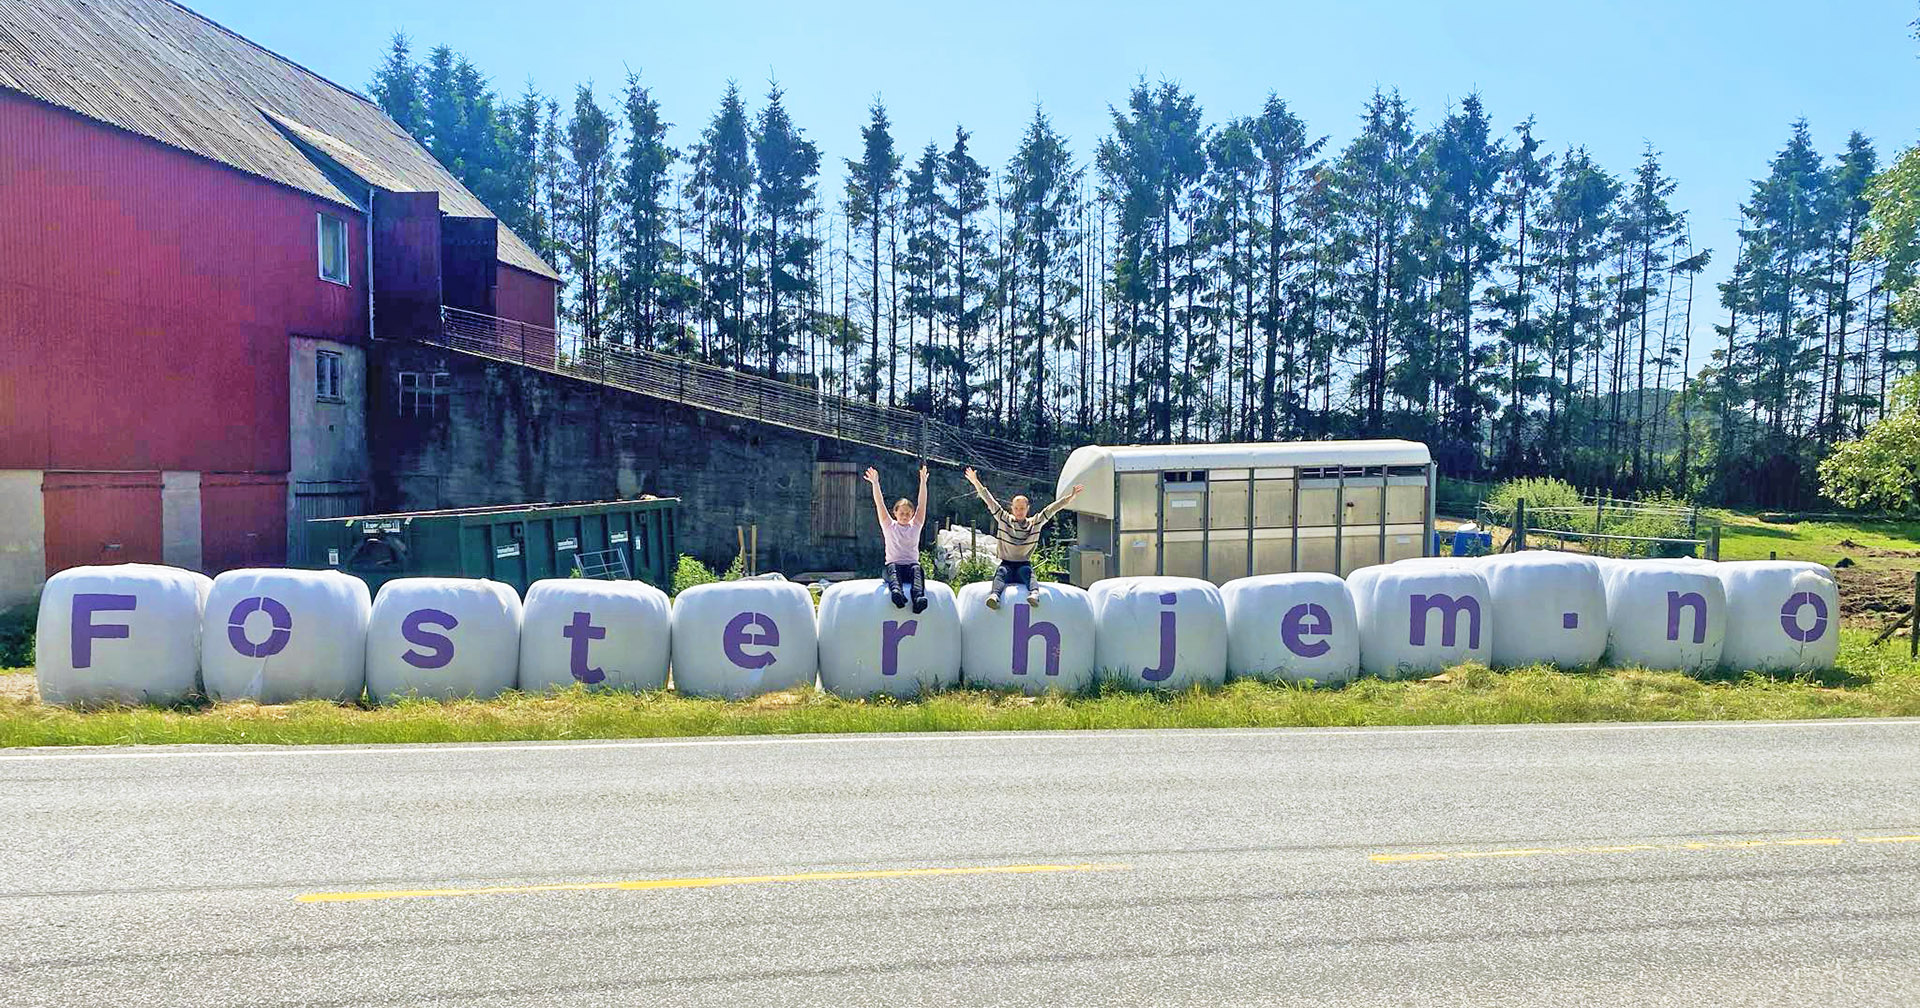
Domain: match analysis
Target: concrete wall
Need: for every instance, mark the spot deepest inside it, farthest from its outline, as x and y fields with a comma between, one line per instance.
x=510, y=435
x=331, y=468
x=180, y=519
x=23, y=547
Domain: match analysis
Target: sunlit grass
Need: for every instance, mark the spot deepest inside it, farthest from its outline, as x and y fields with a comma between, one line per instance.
x=1870, y=681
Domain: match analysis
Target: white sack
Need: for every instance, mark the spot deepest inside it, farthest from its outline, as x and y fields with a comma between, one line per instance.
x=1160, y=632
x=124, y=633
x=1665, y=615
x=604, y=635
x=278, y=635
x=736, y=639
x=1290, y=628
x=1781, y=616
x=869, y=647
x=1548, y=607
x=444, y=639
x=1421, y=617
x=1029, y=648
x=952, y=545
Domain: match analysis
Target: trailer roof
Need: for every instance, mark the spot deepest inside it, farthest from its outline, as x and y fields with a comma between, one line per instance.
x=1096, y=465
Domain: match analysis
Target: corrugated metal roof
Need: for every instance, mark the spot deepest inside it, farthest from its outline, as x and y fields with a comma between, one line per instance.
x=164, y=72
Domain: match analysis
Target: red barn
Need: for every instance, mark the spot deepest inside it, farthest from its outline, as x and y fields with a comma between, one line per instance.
x=199, y=240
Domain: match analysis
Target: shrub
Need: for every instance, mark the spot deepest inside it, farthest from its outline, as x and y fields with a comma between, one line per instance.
x=1540, y=492
x=971, y=568
x=16, y=635
x=689, y=572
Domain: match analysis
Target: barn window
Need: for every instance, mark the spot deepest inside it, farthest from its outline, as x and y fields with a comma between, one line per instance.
x=326, y=376
x=333, y=249
x=423, y=393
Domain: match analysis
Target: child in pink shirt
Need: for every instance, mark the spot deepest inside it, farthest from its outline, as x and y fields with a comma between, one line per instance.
x=901, y=530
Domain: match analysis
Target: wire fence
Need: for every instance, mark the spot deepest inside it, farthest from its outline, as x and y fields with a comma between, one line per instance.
x=1611, y=526
x=722, y=390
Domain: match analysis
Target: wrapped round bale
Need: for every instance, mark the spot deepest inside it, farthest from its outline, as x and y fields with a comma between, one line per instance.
x=1782, y=616
x=276, y=636
x=1665, y=615
x=737, y=639
x=604, y=635
x=1549, y=608
x=1158, y=632
x=123, y=633
x=443, y=638
x=868, y=647
x=1421, y=617
x=1291, y=628
x=1029, y=648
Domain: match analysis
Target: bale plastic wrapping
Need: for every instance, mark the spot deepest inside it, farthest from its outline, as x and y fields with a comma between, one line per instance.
x=1159, y=632
x=1420, y=618
x=121, y=633
x=1034, y=649
x=737, y=639
x=1291, y=628
x=1782, y=616
x=443, y=639
x=1665, y=615
x=1549, y=607
x=603, y=635
x=276, y=636
x=868, y=647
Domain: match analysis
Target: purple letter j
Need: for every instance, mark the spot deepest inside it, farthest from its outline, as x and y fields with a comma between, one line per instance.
x=1165, y=668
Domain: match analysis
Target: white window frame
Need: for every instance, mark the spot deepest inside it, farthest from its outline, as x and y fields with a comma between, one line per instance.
x=322, y=221
x=329, y=376
x=424, y=393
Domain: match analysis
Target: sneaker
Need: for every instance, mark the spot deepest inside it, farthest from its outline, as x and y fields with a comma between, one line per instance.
x=993, y=601
x=920, y=604
x=1033, y=597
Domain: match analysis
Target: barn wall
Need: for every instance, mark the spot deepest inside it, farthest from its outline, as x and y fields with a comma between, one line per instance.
x=146, y=297
x=524, y=297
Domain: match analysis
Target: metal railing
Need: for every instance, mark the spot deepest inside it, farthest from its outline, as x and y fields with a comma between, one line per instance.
x=734, y=393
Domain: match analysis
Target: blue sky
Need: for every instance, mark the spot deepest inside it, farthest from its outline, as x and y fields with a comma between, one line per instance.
x=1713, y=85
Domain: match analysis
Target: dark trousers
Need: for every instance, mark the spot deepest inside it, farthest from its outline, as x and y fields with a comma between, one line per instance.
x=906, y=578
x=1012, y=572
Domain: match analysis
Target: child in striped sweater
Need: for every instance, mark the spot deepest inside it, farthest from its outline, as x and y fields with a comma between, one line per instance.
x=1016, y=533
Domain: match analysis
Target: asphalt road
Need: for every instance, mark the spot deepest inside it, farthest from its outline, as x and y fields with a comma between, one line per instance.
x=1642, y=865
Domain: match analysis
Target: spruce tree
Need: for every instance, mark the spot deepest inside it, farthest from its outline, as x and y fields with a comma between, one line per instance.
x=871, y=182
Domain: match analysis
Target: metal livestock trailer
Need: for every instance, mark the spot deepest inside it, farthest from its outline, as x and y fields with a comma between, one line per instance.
x=1223, y=511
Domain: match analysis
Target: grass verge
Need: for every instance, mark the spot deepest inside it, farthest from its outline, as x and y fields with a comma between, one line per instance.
x=1871, y=681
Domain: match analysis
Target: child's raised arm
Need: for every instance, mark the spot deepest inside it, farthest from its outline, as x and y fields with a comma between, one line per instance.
x=872, y=476
x=920, y=512
x=980, y=490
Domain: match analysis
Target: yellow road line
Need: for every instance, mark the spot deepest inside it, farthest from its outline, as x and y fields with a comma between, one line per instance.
x=1703, y=845
x=703, y=883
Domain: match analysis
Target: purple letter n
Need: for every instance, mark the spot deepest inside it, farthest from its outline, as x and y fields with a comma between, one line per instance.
x=1691, y=600
x=1025, y=631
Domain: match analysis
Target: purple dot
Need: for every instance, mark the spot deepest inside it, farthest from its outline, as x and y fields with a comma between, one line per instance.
x=1570, y=621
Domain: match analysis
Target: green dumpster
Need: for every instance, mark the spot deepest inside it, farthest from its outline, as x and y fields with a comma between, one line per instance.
x=515, y=543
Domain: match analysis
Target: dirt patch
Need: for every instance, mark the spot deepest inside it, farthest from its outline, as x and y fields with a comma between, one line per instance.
x=19, y=687
x=1856, y=549
x=1870, y=596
